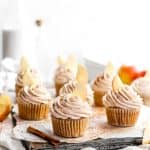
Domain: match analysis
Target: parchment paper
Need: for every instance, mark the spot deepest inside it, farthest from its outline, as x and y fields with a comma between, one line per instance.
x=98, y=128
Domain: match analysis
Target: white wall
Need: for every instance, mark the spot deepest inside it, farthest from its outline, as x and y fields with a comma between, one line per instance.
x=104, y=30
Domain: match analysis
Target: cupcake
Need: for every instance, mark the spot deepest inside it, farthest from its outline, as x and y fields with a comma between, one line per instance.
x=66, y=71
x=24, y=67
x=33, y=100
x=71, y=86
x=70, y=116
x=62, y=76
x=122, y=104
x=102, y=84
x=142, y=87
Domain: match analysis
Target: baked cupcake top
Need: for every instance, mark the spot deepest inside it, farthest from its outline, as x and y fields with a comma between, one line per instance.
x=103, y=83
x=72, y=85
x=142, y=87
x=34, y=94
x=70, y=107
x=125, y=98
x=64, y=74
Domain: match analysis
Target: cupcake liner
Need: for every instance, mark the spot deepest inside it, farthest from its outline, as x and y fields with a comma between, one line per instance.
x=122, y=117
x=98, y=98
x=30, y=111
x=70, y=127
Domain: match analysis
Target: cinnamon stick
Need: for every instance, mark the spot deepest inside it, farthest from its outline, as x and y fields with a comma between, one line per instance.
x=43, y=135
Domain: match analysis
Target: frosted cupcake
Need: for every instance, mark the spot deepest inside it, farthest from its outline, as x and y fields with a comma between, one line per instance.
x=102, y=84
x=24, y=67
x=70, y=116
x=33, y=100
x=122, y=104
x=71, y=86
x=142, y=87
x=65, y=72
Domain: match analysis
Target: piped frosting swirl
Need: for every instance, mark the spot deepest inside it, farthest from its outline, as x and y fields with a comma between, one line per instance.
x=70, y=107
x=72, y=85
x=103, y=83
x=37, y=94
x=63, y=74
x=125, y=98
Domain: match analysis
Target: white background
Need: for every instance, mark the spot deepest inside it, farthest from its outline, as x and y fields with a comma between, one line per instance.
x=117, y=30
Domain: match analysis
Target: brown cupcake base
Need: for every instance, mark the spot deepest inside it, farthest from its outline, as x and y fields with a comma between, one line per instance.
x=98, y=98
x=122, y=117
x=29, y=111
x=58, y=86
x=70, y=127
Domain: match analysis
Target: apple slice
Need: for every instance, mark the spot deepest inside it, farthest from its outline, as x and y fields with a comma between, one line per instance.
x=24, y=65
x=72, y=64
x=80, y=91
x=82, y=74
x=5, y=106
x=29, y=80
x=117, y=83
x=109, y=69
x=60, y=60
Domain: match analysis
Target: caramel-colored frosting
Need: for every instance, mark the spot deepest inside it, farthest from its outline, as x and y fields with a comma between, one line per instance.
x=37, y=94
x=142, y=87
x=63, y=74
x=103, y=83
x=72, y=85
x=70, y=107
x=125, y=98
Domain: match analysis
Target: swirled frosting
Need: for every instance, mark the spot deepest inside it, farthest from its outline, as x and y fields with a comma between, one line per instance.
x=19, y=80
x=103, y=83
x=72, y=85
x=142, y=87
x=125, y=98
x=70, y=107
x=37, y=94
x=63, y=74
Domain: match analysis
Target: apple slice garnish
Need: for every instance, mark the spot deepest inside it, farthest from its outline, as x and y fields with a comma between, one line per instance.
x=24, y=65
x=71, y=63
x=5, y=106
x=80, y=91
x=82, y=74
x=60, y=60
x=117, y=83
x=29, y=80
x=109, y=69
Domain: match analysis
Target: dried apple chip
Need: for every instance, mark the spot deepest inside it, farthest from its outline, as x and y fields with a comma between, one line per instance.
x=82, y=74
x=109, y=69
x=117, y=83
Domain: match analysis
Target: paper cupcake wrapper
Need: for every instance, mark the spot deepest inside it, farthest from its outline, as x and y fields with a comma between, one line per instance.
x=98, y=98
x=122, y=117
x=70, y=127
x=29, y=111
